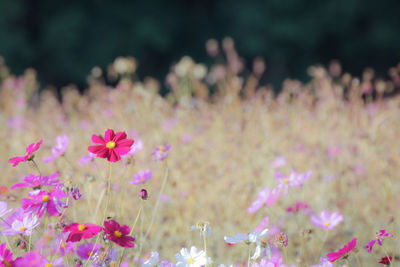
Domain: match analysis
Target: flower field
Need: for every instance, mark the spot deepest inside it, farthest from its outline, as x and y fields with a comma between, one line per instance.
x=219, y=171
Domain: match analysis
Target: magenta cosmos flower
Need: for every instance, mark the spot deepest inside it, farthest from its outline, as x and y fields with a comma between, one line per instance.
x=59, y=149
x=118, y=234
x=141, y=177
x=36, y=182
x=29, y=152
x=265, y=197
x=327, y=221
x=112, y=146
x=80, y=231
x=333, y=256
x=161, y=152
x=41, y=201
x=6, y=257
x=378, y=238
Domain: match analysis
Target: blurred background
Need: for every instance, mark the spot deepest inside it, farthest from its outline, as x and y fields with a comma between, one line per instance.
x=64, y=40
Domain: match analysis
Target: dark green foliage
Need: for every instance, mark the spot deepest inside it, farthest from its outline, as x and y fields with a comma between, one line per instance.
x=63, y=40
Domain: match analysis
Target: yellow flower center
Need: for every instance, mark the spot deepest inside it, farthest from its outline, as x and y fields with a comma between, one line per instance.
x=48, y=265
x=162, y=148
x=22, y=229
x=63, y=245
x=81, y=227
x=376, y=236
x=286, y=181
x=190, y=261
x=327, y=223
x=26, y=154
x=142, y=180
x=6, y=263
x=113, y=264
x=110, y=144
x=45, y=198
x=117, y=233
x=89, y=253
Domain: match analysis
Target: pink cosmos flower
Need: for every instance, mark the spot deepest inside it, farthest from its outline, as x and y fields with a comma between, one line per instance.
x=86, y=159
x=265, y=197
x=324, y=263
x=326, y=220
x=36, y=182
x=62, y=246
x=161, y=152
x=294, y=179
x=112, y=146
x=298, y=207
x=41, y=201
x=135, y=148
x=60, y=148
x=386, y=260
x=333, y=152
x=333, y=256
x=80, y=231
x=274, y=261
x=84, y=251
x=141, y=177
x=263, y=224
x=28, y=155
x=34, y=258
x=6, y=257
x=118, y=234
x=4, y=209
x=378, y=238
x=278, y=162
x=23, y=225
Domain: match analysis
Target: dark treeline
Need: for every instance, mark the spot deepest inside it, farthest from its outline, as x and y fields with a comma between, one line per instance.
x=63, y=40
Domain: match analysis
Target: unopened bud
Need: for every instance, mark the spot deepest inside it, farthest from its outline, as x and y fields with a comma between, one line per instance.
x=143, y=194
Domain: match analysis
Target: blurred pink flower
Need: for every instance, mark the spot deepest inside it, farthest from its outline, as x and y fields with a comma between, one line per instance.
x=326, y=220
x=135, y=148
x=333, y=152
x=262, y=225
x=265, y=197
x=141, y=177
x=59, y=149
x=298, y=207
x=36, y=182
x=6, y=257
x=23, y=225
x=17, y=122
x=378, y=238
x=278, y=162
x=29, y=152
x=84, y=251
x=323, y=263
x=186, y=138
x=161, y=152
x=4, y=209
x=167, y=125
x=86, y=159
x=333, y=256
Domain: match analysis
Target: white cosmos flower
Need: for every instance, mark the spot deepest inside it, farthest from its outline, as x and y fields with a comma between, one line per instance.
x=152, y=260
x=253, y=237
x=192, y=258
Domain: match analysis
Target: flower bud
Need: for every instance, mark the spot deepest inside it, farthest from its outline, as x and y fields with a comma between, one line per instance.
x=143, y=194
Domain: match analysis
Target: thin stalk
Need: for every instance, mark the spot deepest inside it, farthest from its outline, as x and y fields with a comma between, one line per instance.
x=387, y=255
x=131, y=232
x=285, y=255
x=358, y=260
x=205, y=246
x=105, y=211
x=36, y=166
x=154, y=213
x=248, y=258
x=322, y=246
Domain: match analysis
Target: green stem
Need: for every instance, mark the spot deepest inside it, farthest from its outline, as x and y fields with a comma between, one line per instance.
x=205, y=246
x=387, y=255
x=248, y=258
x=105, y=211
x=36, y=166
x=322, y=246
